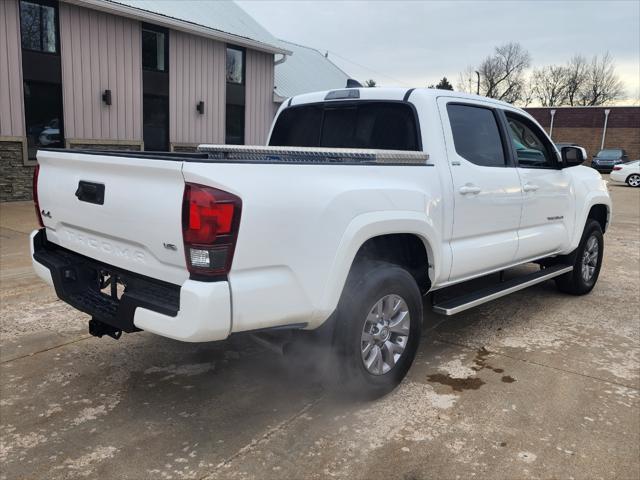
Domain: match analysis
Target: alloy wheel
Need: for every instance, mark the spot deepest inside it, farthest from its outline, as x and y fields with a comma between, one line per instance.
x=385, y=334
x=590, y=258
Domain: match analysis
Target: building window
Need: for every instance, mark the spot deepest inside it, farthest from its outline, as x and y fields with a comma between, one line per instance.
x=155, y=49
x=38, y=26
x=234, y=115
x=43, y=116
x=235, y=65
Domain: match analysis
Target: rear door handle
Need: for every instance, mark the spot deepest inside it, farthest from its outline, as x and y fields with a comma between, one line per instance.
x=529, y=187
x=469, y=188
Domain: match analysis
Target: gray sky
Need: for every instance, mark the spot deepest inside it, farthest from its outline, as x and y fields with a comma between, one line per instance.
x=415, y=43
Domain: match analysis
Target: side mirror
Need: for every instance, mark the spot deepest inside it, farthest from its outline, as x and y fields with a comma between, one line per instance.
x=573, y=156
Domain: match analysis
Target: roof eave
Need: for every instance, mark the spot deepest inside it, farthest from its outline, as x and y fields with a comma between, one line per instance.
x=177, y=24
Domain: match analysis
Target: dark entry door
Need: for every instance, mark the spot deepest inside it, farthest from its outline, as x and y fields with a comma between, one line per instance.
x=155, y=122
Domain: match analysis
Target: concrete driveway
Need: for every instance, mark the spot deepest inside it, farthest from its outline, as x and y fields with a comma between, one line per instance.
x=535, y=385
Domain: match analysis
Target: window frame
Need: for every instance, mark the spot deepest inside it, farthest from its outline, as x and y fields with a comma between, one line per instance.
x=355, y=103
x=505, y=140
x=56, y=21
x=244, y=64
x=157, y=29
x=546, y=142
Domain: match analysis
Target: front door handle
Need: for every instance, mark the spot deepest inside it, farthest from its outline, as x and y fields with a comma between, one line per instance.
x=530, y=187
x=469, y=188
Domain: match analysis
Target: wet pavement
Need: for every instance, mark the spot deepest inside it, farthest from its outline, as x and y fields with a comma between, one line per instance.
x=535, y=385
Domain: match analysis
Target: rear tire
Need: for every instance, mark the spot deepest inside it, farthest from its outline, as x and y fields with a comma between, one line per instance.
x=379, y=322
x=633, y=180
x=587, y=260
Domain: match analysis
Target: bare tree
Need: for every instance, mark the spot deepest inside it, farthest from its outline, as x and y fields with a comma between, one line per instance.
x=501, y=74
x=576, y=78
x=467, y=80
x=602, y=85
x=549, y=85
x=528, y=93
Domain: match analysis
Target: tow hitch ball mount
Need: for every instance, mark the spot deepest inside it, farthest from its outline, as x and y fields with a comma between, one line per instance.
x=98, y=329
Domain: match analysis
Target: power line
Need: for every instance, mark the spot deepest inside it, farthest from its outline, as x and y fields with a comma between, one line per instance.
x=367, y=68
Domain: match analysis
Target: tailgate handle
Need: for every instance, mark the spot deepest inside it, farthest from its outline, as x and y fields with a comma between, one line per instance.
x=90, y=192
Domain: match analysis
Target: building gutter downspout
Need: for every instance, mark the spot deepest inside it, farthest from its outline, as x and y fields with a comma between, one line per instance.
x=604, y=130
x=280, y=60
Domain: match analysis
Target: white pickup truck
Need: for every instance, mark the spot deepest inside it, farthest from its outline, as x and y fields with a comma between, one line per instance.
x=364, y=201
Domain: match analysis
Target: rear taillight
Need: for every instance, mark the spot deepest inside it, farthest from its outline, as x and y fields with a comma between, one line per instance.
x=617, y=168
x=210, y=222
x=36, y=172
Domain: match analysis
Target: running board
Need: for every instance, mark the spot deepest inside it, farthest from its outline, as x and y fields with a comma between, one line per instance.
x=464, y=302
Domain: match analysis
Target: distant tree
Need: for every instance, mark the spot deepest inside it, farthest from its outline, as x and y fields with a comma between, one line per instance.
x=549, y=85
x=467, y=80
x=576, y=77
x=602, y=85
x=502, y=74
x=442, y=85
x=579, y=82
x=370, y=83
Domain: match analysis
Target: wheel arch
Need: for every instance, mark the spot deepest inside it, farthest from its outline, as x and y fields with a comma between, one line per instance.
x=596, y=207
x=370, y=233
x=626, y=180
x=600, y=213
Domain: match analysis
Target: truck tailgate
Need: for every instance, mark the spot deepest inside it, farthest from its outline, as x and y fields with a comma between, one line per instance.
x=137, y=225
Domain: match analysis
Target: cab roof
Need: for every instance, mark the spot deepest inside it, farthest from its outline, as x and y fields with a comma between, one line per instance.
x=384, y=93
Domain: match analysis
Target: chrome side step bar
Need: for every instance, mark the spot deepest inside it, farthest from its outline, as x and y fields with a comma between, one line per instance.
x=465, y=302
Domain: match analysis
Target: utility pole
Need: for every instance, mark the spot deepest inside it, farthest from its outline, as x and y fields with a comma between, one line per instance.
x=478, y=86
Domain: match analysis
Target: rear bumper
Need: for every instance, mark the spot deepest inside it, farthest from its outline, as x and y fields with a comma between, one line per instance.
x=617, y=176
x=602, y=168
x=192, y=312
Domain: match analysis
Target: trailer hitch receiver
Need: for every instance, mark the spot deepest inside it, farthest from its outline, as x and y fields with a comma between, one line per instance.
x=98, y=329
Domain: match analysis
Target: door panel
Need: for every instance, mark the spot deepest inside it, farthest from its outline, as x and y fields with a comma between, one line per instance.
x=548, y=204
x=548, y=212
x=487, y=190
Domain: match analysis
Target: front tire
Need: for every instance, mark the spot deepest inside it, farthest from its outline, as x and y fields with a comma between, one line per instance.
x=587, y=260
x=633, y=180
x=379, y=322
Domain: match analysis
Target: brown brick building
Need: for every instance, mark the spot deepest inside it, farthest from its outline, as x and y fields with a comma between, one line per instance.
x=586, y=125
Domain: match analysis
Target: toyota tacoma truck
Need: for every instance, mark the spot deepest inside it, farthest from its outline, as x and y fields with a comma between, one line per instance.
x=363, y=201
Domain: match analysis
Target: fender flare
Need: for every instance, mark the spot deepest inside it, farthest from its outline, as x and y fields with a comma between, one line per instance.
x=373, y=224
x=592, y=199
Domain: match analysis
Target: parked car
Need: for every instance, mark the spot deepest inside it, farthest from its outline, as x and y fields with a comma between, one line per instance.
x=628, y=173
x=364, y=201
x=605, y=160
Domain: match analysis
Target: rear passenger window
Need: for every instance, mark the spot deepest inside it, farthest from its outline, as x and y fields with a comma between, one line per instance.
x=476, y=135
x=361, y=124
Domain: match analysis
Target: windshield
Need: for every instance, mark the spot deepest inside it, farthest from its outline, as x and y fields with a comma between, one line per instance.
x=379, y=125
x=609, y=154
